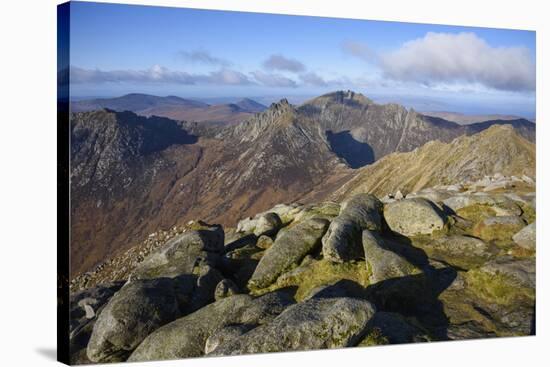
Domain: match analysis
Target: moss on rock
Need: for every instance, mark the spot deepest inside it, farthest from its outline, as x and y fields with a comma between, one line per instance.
x=319, y=273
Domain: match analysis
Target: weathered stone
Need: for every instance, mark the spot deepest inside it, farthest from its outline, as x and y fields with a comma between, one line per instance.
x=314, y=324
x=267, y=224
x=264, y=242
x=247, y=225
x=183, y=253
x=342, y=242
x=384, y=264
x=288, y=250
x=411, y=217
x=365, y=210
x=186, y=337
x=287, y=212
x=391, y=328
x=461, y=251
x=526, y=238
x=224, y=335
x=498, y=228
x=505, y=290
x=327, y=210
x=225, y=288
x=136, y=310
x=82, y=305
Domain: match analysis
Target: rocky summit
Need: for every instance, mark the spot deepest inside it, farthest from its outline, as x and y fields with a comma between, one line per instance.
x=448, y=262
x=336, y=223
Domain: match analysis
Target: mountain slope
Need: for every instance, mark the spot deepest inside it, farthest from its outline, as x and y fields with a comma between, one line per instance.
x=132, y=175
x=128, y=182
x=499, y=149
x=356, y=126
x=174, y=107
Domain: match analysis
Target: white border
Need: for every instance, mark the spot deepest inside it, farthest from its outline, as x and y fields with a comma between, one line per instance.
x=28, y=181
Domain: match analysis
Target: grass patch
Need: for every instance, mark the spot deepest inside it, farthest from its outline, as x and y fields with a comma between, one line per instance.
x=497, y=288
x=477, y=212
x=319, y=273
x=375, y=337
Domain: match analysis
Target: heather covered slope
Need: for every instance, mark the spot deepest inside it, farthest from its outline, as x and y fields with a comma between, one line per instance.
x=498, y=149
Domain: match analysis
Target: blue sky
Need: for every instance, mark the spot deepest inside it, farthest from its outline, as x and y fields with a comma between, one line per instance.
x=118, y=49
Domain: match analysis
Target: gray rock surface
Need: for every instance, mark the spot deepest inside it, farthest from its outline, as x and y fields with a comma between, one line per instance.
x=461, y=251
x=384, y=264
x=187, y=336
x=314, y=324
x=225, y=288
x=527, y=237
x=183, y=253
x=267, y=224
x=224, y=335
x=411, y=217
x=136, y=310
x=342, y=242
x=289, y=248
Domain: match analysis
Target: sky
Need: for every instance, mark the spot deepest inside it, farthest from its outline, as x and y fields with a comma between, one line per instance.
x=117, y=49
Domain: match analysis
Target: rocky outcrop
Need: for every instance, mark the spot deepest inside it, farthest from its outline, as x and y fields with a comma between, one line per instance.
x=183, y=253
x=139, y=308
x=526, y=237
x=288, y=249
x=410, y=217
x=432, y=271
x=315, y=324
x=342, y=242
x=383, y=263
x=499, y=228
x=186, y=337
x=464, y=252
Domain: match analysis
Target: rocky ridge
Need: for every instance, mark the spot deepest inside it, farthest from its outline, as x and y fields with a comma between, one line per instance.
x=463, y=268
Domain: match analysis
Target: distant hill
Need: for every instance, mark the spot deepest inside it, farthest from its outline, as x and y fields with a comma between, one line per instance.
x=498, y=149
x=464, y=119
x=173, y=107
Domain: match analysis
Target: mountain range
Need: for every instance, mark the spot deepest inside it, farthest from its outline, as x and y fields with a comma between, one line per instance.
x=174, y=107
x=134, y=172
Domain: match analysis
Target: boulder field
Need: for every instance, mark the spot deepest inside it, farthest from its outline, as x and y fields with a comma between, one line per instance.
x=445, y=263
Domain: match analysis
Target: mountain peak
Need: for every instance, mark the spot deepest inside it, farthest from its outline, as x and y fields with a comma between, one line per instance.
x=341, y=97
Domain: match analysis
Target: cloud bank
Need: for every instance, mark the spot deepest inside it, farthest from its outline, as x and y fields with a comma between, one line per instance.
x=157, y=74
x=282, y=63
x=445, y=58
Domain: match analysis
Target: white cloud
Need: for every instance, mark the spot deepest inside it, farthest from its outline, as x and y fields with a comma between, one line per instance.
x=313, y=79
x=157, y=74
x=463, y=58
x=280, y=62
x=273, y=80
x=359, y=50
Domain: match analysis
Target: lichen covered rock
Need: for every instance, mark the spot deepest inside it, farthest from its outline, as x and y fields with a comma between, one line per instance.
x=288, y=250
x=136, y=310
x=416, y=216
x=314, y=324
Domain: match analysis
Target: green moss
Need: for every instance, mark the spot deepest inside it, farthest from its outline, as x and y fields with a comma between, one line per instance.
x=319, y=273
x=529, y=214
x=374, y=337
x=497, y=288
x=477, y=212
x=499, y=234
